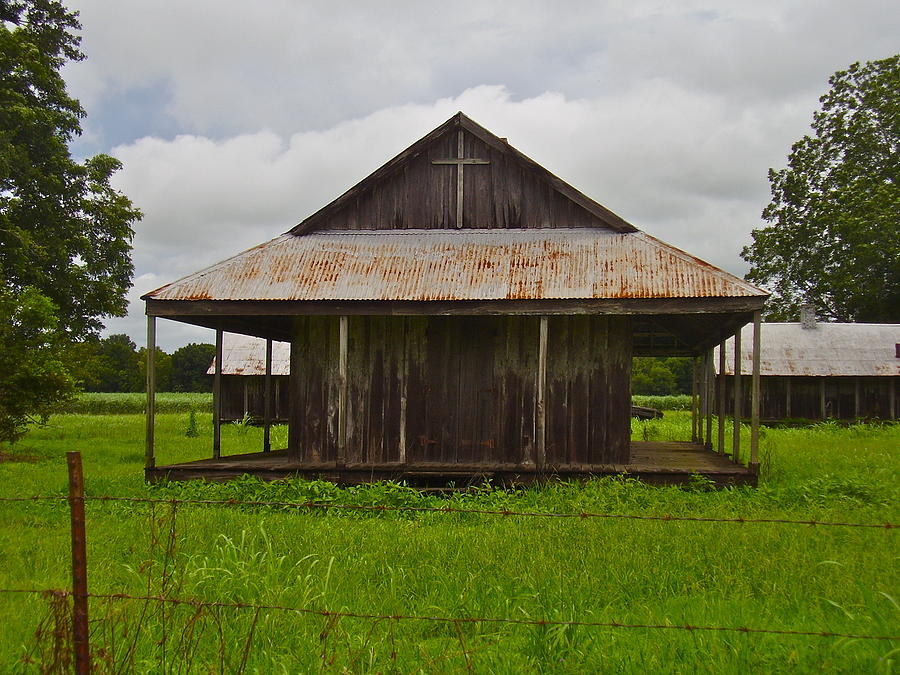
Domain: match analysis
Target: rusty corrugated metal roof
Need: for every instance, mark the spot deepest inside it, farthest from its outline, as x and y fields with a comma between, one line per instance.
x=829, y=349
x=426, y=265
x=245, y=355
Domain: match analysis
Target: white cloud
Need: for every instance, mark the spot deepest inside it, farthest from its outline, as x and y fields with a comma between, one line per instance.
x=668, y=113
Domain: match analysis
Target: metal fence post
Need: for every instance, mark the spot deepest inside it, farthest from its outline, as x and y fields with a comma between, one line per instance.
x=80, y=631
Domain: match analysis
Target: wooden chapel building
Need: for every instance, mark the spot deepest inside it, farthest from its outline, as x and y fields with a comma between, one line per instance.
x=460, y=312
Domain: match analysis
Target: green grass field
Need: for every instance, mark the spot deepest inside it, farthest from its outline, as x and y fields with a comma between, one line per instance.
x=459, y=565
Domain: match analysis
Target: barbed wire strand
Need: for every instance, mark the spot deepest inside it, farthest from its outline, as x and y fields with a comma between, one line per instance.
x=457, y=510
x=194, y=602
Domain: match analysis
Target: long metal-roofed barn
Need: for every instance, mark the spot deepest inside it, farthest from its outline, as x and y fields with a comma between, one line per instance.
x=463, y=312
x=813, y=370
x=242, y=385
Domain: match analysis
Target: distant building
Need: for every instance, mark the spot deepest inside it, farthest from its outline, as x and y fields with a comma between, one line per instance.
x=243, y=378
x=822, y=370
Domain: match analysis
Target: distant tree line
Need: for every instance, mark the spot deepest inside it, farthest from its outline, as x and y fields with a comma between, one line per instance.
x=115, y=364
x=661, y=376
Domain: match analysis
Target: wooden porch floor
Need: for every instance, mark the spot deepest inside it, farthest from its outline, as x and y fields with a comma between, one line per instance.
x=659, y=463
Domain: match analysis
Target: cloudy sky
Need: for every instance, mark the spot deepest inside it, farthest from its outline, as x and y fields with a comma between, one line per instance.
x=236, y=120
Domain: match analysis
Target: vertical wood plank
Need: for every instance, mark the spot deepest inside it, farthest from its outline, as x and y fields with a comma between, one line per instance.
x=755, y=392
x=541, y=388
x=736, y=431
x=787, y=396
x=342, y=391
x=149, y=453
x=822, y=407
x=856, y=397
x=404, y=383
x=217, y=398
x=892, y=397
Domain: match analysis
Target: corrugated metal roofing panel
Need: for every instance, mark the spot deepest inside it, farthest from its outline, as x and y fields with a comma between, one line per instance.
x=829, y=349
x=425, y=265
x=245, y=355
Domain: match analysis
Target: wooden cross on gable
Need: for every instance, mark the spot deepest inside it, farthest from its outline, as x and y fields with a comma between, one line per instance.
x=460, y=162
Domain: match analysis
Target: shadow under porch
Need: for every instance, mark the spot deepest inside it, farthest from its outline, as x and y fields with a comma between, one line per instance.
x=661, y=463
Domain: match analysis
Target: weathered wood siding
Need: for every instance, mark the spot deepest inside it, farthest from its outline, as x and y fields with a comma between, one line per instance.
x=801, y=397
x=589, y=390
x=422, y=195
x=461, y=389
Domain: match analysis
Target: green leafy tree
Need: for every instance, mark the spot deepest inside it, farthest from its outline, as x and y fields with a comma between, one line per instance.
x=661, y=376
x=65, y=233
x=118, y=364
x=834, y=238
x=189, y=366
x=63, y=229
x=33, y=377
x=162, y=370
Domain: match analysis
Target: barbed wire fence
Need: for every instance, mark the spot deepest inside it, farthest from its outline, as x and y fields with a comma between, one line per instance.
x=67, y=627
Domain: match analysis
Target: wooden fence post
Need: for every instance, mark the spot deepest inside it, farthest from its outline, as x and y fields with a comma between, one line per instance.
x=80, y=630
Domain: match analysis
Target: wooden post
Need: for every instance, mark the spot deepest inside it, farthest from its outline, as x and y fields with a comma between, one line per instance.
x=149, y=457
x=755, y=394
x=217, y=398
x=694, y=399
x=80, y=627
x=267, y=405
x=343, y=343
x=541, y=408
x=736, y=432
x=701, y=397
x=246, y=393
x=720, y=409
x=856, y=397
x=710, y=392
x=822, y=398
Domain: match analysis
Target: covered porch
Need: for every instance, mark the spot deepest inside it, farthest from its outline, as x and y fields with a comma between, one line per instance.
x=707, y=452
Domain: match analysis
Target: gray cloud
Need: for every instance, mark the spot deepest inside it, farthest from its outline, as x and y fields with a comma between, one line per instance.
x=234, y=121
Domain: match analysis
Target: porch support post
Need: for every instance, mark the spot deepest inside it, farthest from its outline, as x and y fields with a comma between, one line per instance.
x=736, y=431
x=149, y=458
x=217, y=398
x=343, y=342
x=267, y=405
x=694, y=399
x=856, y=396
x=720, y=408
x=709, y=388
x=755, y=394
x=541, y=407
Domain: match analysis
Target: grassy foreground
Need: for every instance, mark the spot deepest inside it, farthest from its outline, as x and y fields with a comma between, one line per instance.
x=458, y=565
